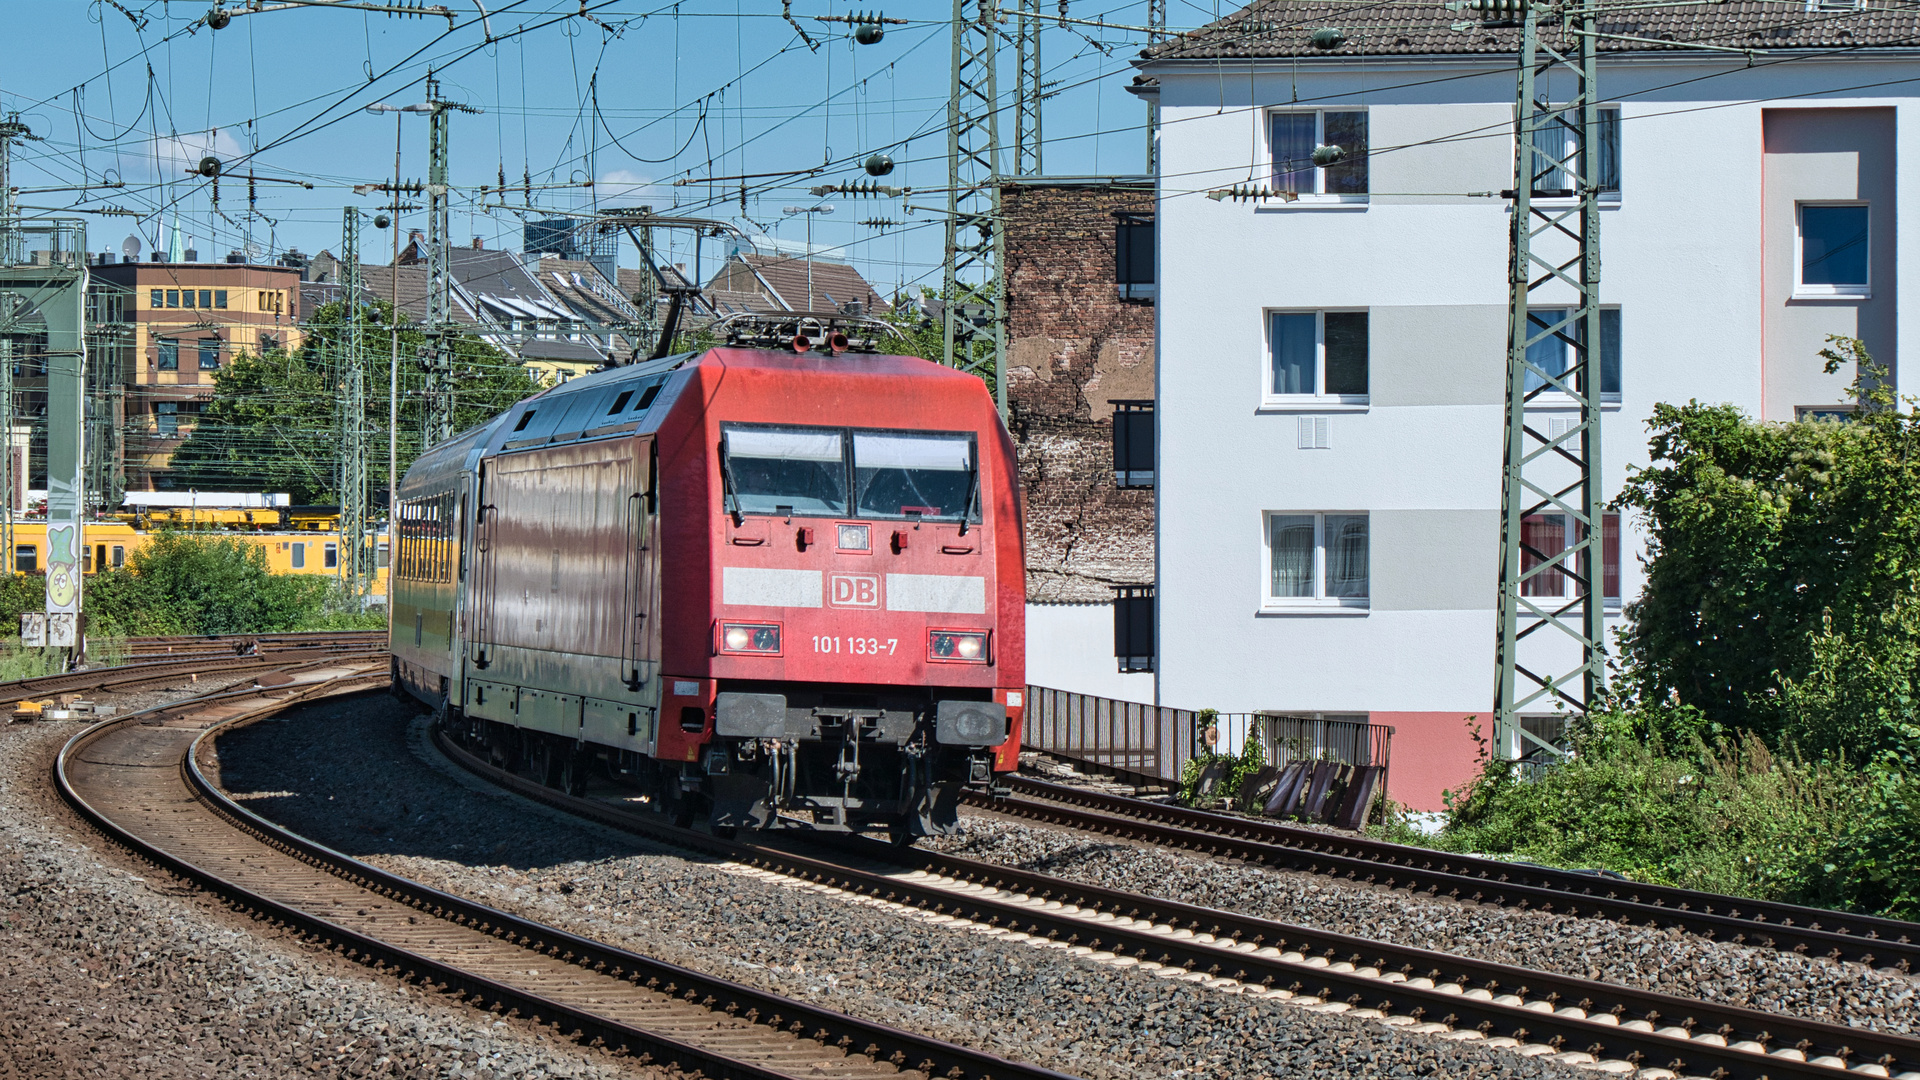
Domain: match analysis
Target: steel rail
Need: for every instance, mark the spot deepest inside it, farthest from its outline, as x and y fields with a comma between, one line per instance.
x=1275, y=960
x=623, y=983
x=135, y=676
x=1835, y=935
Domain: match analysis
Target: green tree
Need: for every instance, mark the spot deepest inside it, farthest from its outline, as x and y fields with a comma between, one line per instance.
x=1784, y=569
x=272, y=425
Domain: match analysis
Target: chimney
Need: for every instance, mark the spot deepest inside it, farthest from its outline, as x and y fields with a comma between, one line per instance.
x=192, y=255
x=477, y=245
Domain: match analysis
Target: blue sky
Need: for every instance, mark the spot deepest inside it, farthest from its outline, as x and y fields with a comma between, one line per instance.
x=634, y=95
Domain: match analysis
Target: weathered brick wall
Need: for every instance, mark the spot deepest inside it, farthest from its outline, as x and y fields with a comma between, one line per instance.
x=1073, y=345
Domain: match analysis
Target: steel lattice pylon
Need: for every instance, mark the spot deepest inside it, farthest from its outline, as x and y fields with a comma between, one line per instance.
x=1027, y=91
x=350, y=382
x=974, y=315
x=1551, y=596
x=438, y=391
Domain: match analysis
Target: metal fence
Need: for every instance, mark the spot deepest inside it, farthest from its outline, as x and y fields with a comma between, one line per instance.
x=1151, y=743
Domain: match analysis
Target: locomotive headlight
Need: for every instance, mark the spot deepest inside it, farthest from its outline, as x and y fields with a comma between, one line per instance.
x=749, y=638
x=853, y=537
x=957, y=647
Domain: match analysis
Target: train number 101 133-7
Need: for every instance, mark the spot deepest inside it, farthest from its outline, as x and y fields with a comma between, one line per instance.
x=858, y=646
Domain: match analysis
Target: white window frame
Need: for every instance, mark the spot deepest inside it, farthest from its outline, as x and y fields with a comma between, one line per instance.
x=1317, y=402
x=1609, y=400
x=1318, y=197
x=1804, y=291
x=1610, y=604
x=1319, y=602
x=1607, y=198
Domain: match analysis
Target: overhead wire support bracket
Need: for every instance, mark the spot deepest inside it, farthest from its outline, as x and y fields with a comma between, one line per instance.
x=222, y=14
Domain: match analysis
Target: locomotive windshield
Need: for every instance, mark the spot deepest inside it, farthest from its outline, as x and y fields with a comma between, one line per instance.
x=787, y=471
x=894, y=474
x=897, y=476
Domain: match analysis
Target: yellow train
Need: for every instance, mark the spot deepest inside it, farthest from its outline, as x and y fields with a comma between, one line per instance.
x=109, y=544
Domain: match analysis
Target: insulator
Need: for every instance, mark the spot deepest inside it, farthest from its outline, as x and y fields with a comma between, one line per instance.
x=879, y=165
x=1325, y=155
x=1251, y=193
x=869, y=33
x=1327, y=38
x=1491, y=7
x=218, y=19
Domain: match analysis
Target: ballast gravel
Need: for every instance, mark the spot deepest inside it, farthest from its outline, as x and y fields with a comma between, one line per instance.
x=397, y=805
x=111, y=968
x=1668, y=960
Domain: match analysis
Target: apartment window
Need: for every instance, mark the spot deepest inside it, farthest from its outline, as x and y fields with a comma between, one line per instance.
x=166, y=414
x=1133, y=627
x=1317, y=355
x=1543, y=536
x=1133, y=444
x=206, y=298
x=158, y=298
x=186, y=298
x=26, y=558
x=173, y=298
x=209, y=354
x=1316, y=560
x=1557, y=142
x=1833, y=251
x=1341, y=138
x=1133, y=256
x=169, y=356
x=1555, y=355
x=1835, y=414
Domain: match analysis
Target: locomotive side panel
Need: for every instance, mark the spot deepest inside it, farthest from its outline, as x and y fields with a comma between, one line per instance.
x=564, y=628
x=426, y=560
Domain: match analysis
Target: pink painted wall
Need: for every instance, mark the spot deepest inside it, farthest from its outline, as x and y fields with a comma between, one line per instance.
x=1432, y=752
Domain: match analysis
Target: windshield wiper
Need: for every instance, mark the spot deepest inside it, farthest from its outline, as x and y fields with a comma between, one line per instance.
x=973, y=496
x=730, y=488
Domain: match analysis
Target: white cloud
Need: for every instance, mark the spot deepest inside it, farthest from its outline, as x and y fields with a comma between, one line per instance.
x=622, y=187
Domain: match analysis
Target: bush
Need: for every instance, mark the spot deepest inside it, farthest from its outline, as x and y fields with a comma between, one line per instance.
x=1733, y=816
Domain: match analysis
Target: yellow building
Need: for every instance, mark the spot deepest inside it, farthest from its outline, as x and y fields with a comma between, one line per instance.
x=188, y=321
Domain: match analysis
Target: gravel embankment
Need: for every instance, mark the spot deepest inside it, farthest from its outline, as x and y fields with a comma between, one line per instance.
x=1667, y=960
x=399, y=809
x=111, y=968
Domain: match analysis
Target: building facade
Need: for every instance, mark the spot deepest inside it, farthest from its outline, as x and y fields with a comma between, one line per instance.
x=185, y=322
x=1080, y=306
x=1331, y=384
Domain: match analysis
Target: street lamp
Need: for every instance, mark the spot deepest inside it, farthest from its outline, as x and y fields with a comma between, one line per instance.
x=393, y=372
x=808, y=212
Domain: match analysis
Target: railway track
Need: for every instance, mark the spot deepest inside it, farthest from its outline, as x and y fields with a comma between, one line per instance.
x=1835, y=935
x=1614, y=1028
x=141, y=780
x=140, y=676
x=186, y=646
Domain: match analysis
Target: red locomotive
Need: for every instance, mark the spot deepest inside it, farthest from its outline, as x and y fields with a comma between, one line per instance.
x=758, y=586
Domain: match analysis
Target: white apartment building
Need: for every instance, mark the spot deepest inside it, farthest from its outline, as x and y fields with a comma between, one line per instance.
x=1330, y=387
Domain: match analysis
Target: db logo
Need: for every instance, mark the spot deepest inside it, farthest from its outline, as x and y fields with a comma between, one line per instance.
x=853, y=590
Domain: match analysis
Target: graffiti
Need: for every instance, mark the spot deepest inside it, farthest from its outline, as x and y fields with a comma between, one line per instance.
x=63, y=569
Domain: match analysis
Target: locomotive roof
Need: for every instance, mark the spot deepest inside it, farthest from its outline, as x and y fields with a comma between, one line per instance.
x=550, y=415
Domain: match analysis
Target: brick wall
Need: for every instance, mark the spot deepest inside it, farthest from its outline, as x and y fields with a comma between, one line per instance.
x=1073, y=345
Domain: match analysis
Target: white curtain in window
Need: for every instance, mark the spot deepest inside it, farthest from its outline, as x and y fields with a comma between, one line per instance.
x=1291, y=538
x=1347, y=555
x=1295, y=349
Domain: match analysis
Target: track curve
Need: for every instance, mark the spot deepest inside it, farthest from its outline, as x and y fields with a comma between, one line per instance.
x=1586, y=1022
x=140, y=779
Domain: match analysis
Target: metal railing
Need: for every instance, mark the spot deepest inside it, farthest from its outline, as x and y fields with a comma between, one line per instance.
x=1151, y=744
